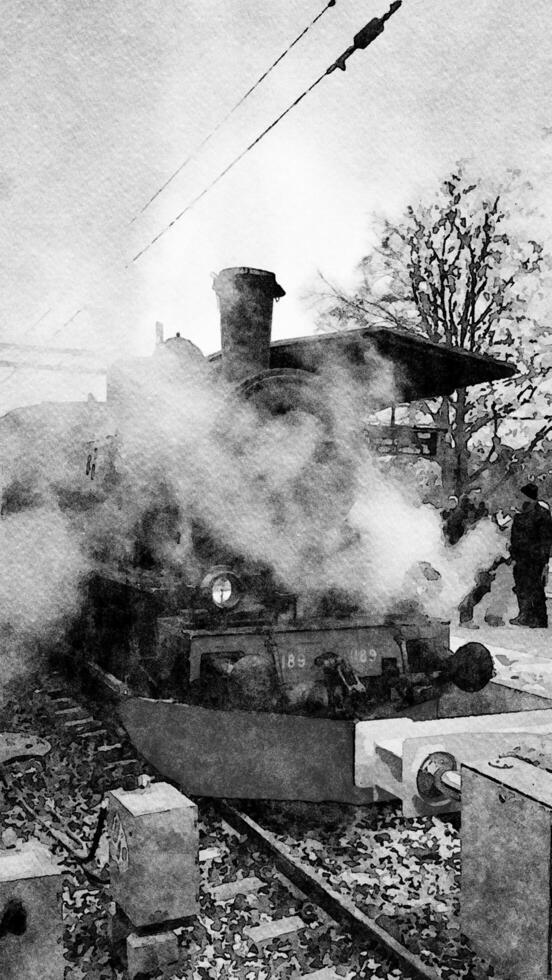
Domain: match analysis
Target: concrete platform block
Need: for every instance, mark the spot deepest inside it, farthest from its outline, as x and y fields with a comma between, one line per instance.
x=119, y=928
x=153, y=854
x=279, y=929
x=506, y=880
x=152, y=953
x=30, y=915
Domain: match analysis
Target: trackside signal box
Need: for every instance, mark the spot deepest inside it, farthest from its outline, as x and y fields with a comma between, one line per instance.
x=30, y=914
x=153, y=854
x=506, y=885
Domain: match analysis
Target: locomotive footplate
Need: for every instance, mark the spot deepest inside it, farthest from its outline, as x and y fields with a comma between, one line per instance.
x=332, y=668
x=366, y=648
x=270, y=711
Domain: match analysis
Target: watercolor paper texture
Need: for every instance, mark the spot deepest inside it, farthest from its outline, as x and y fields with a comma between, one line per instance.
x=275, y=462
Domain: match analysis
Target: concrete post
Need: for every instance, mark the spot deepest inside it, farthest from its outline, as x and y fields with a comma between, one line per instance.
x=506, y=884
x=30, y=914
x=154, y=867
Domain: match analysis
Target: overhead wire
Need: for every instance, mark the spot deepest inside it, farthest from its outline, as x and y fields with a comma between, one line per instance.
x=229, y=167
x=362, y=40
x=7, y=345
x=35, y=349
x=67, y=322
x=8, y=376
x=195, y=152
x=36, y=322
x=24, y=334
x=63, y=325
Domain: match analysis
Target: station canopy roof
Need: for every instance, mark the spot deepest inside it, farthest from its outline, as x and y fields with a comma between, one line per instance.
x=422, y=369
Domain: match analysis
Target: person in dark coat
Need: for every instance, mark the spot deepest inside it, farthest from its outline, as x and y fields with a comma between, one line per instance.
x=462, y=515
x=453, y=521
x=530, y=544
x=459, y=519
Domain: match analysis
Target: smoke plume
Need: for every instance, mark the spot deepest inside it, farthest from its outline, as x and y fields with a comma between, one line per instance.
x=176, y=449
x=318, y=511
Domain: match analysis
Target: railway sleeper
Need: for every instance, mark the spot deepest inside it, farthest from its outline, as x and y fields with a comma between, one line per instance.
x=56, y=693
x=227, y=891
x=79, y=725
x=72, y=711
x=266, y=932
x=109, y=751
x=123, y=766
x=91, y=736
x=337, y=906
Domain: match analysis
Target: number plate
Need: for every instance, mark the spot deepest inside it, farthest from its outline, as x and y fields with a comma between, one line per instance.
x=363, y=648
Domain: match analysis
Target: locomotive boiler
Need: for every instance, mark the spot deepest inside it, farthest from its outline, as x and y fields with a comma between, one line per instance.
x=229, y=681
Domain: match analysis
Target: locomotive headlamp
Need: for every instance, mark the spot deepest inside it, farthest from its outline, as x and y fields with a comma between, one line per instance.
x=222, y=591
x=222, y=587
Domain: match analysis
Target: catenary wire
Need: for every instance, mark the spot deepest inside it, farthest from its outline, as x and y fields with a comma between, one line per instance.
x=36, y=322
x=229, y=167
x=195, y=152
x=67, y=322
x=365, y=37
x=339, y=63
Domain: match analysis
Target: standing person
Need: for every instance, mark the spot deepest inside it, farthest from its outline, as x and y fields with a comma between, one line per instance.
x=483, y=585
x=463, y=515
x=457, y=521
x=453, y=521
x=530, y=544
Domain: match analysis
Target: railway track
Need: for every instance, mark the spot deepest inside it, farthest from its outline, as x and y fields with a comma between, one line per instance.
x=266, y=909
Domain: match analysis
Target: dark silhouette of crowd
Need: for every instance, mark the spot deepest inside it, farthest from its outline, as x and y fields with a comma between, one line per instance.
x=462, y=514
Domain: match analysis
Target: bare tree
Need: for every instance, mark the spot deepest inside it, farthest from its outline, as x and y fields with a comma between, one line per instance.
x=455, y=272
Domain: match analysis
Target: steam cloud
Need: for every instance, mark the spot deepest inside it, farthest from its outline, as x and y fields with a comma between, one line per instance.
x=262, y=488
x=41, y=567
x=267, y=488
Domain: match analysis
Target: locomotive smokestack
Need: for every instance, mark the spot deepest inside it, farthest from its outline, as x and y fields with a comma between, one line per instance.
x=245, y=298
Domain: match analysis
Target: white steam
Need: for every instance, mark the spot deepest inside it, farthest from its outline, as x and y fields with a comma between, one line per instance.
x=40, y=569
x=261, y=486
x=176, y=448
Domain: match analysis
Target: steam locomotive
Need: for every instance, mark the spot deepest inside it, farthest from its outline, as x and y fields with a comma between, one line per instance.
x=228, y=682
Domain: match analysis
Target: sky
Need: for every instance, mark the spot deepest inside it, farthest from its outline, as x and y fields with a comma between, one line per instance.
x=102, y=100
